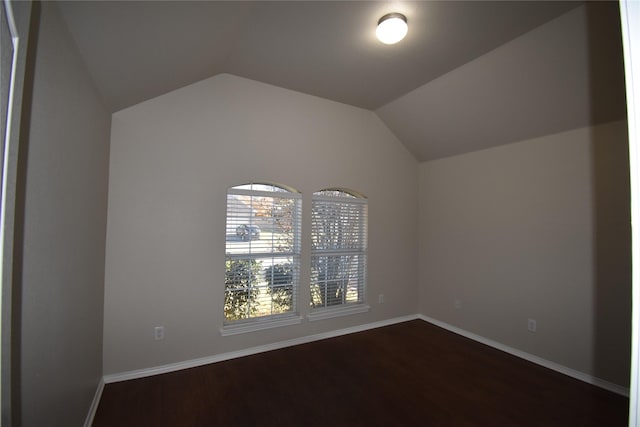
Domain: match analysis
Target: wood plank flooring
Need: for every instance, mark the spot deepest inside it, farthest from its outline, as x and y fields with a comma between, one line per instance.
x=408, y=374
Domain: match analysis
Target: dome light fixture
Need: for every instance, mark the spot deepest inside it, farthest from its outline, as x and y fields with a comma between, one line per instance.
x=392, y=28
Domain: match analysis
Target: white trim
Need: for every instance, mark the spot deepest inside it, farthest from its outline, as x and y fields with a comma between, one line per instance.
x=6, y=397
x=277, y=194
x=256, y=255
x=172, y=367
x=142, y=373
x=94, y=404
x=343, y=310
x=7, y=136
x=531, y=358
x=629, y=19
x=341, y=199
x=243, y=328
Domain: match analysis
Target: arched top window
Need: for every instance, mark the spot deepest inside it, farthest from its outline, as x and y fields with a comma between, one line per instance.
x=338, y=248
x=257, y=206
x=262, y=251
x=339, y=192
x=259, y=187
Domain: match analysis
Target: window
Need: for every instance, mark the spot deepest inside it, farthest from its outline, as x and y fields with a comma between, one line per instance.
x=338, y=253
x=262, y=253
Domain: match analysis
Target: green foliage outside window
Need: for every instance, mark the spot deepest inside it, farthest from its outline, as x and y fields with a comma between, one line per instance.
x=279, y=278
x=241, y=292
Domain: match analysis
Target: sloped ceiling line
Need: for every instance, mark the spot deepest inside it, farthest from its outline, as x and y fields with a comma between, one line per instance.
x=468, y=76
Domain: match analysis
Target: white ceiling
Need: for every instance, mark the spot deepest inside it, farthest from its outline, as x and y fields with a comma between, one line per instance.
x=459, y=81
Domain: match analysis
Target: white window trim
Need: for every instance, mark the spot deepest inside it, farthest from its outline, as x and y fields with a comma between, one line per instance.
x=352, y=200
x=321, y=313
x=252, y=324
x=290, y=194
x=259, y=324
x=339, y=311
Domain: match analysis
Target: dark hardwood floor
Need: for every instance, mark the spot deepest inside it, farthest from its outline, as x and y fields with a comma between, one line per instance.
x=409, y=374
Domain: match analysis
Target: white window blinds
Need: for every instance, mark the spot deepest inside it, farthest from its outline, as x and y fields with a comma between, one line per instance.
x=262, y=251
x=338, y=249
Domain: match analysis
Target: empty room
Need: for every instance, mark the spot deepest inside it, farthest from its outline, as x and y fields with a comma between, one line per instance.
x=266, y=213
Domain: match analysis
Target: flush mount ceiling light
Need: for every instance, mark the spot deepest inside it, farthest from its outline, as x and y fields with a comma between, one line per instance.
x=392, y=28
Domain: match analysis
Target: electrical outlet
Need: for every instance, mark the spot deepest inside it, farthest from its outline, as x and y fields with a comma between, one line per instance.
x=158, y=333
x=381, y=299
x=531, y=325
x=457, y=304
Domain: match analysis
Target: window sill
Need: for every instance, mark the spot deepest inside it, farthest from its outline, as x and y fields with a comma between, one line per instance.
x=329, y=313
x=259, y=325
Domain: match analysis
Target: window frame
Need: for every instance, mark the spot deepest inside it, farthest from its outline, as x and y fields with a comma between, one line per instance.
x=233, y=214
x=347, y=201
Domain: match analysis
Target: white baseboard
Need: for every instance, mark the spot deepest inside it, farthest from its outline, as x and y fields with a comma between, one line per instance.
x=94, y=404
x=531, y=358
x=141, y=373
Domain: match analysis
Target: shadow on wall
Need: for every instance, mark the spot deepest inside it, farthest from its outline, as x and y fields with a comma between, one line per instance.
x=611, y=198
x=612, y=253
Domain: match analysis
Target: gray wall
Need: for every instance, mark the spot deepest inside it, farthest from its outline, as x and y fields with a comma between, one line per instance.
x=537, y=229
x=565, y=74
x=63, y=239
x=172, y=159
x=534, y=229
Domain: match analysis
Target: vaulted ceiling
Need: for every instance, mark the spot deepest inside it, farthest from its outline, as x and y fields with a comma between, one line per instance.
x=469, y=75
